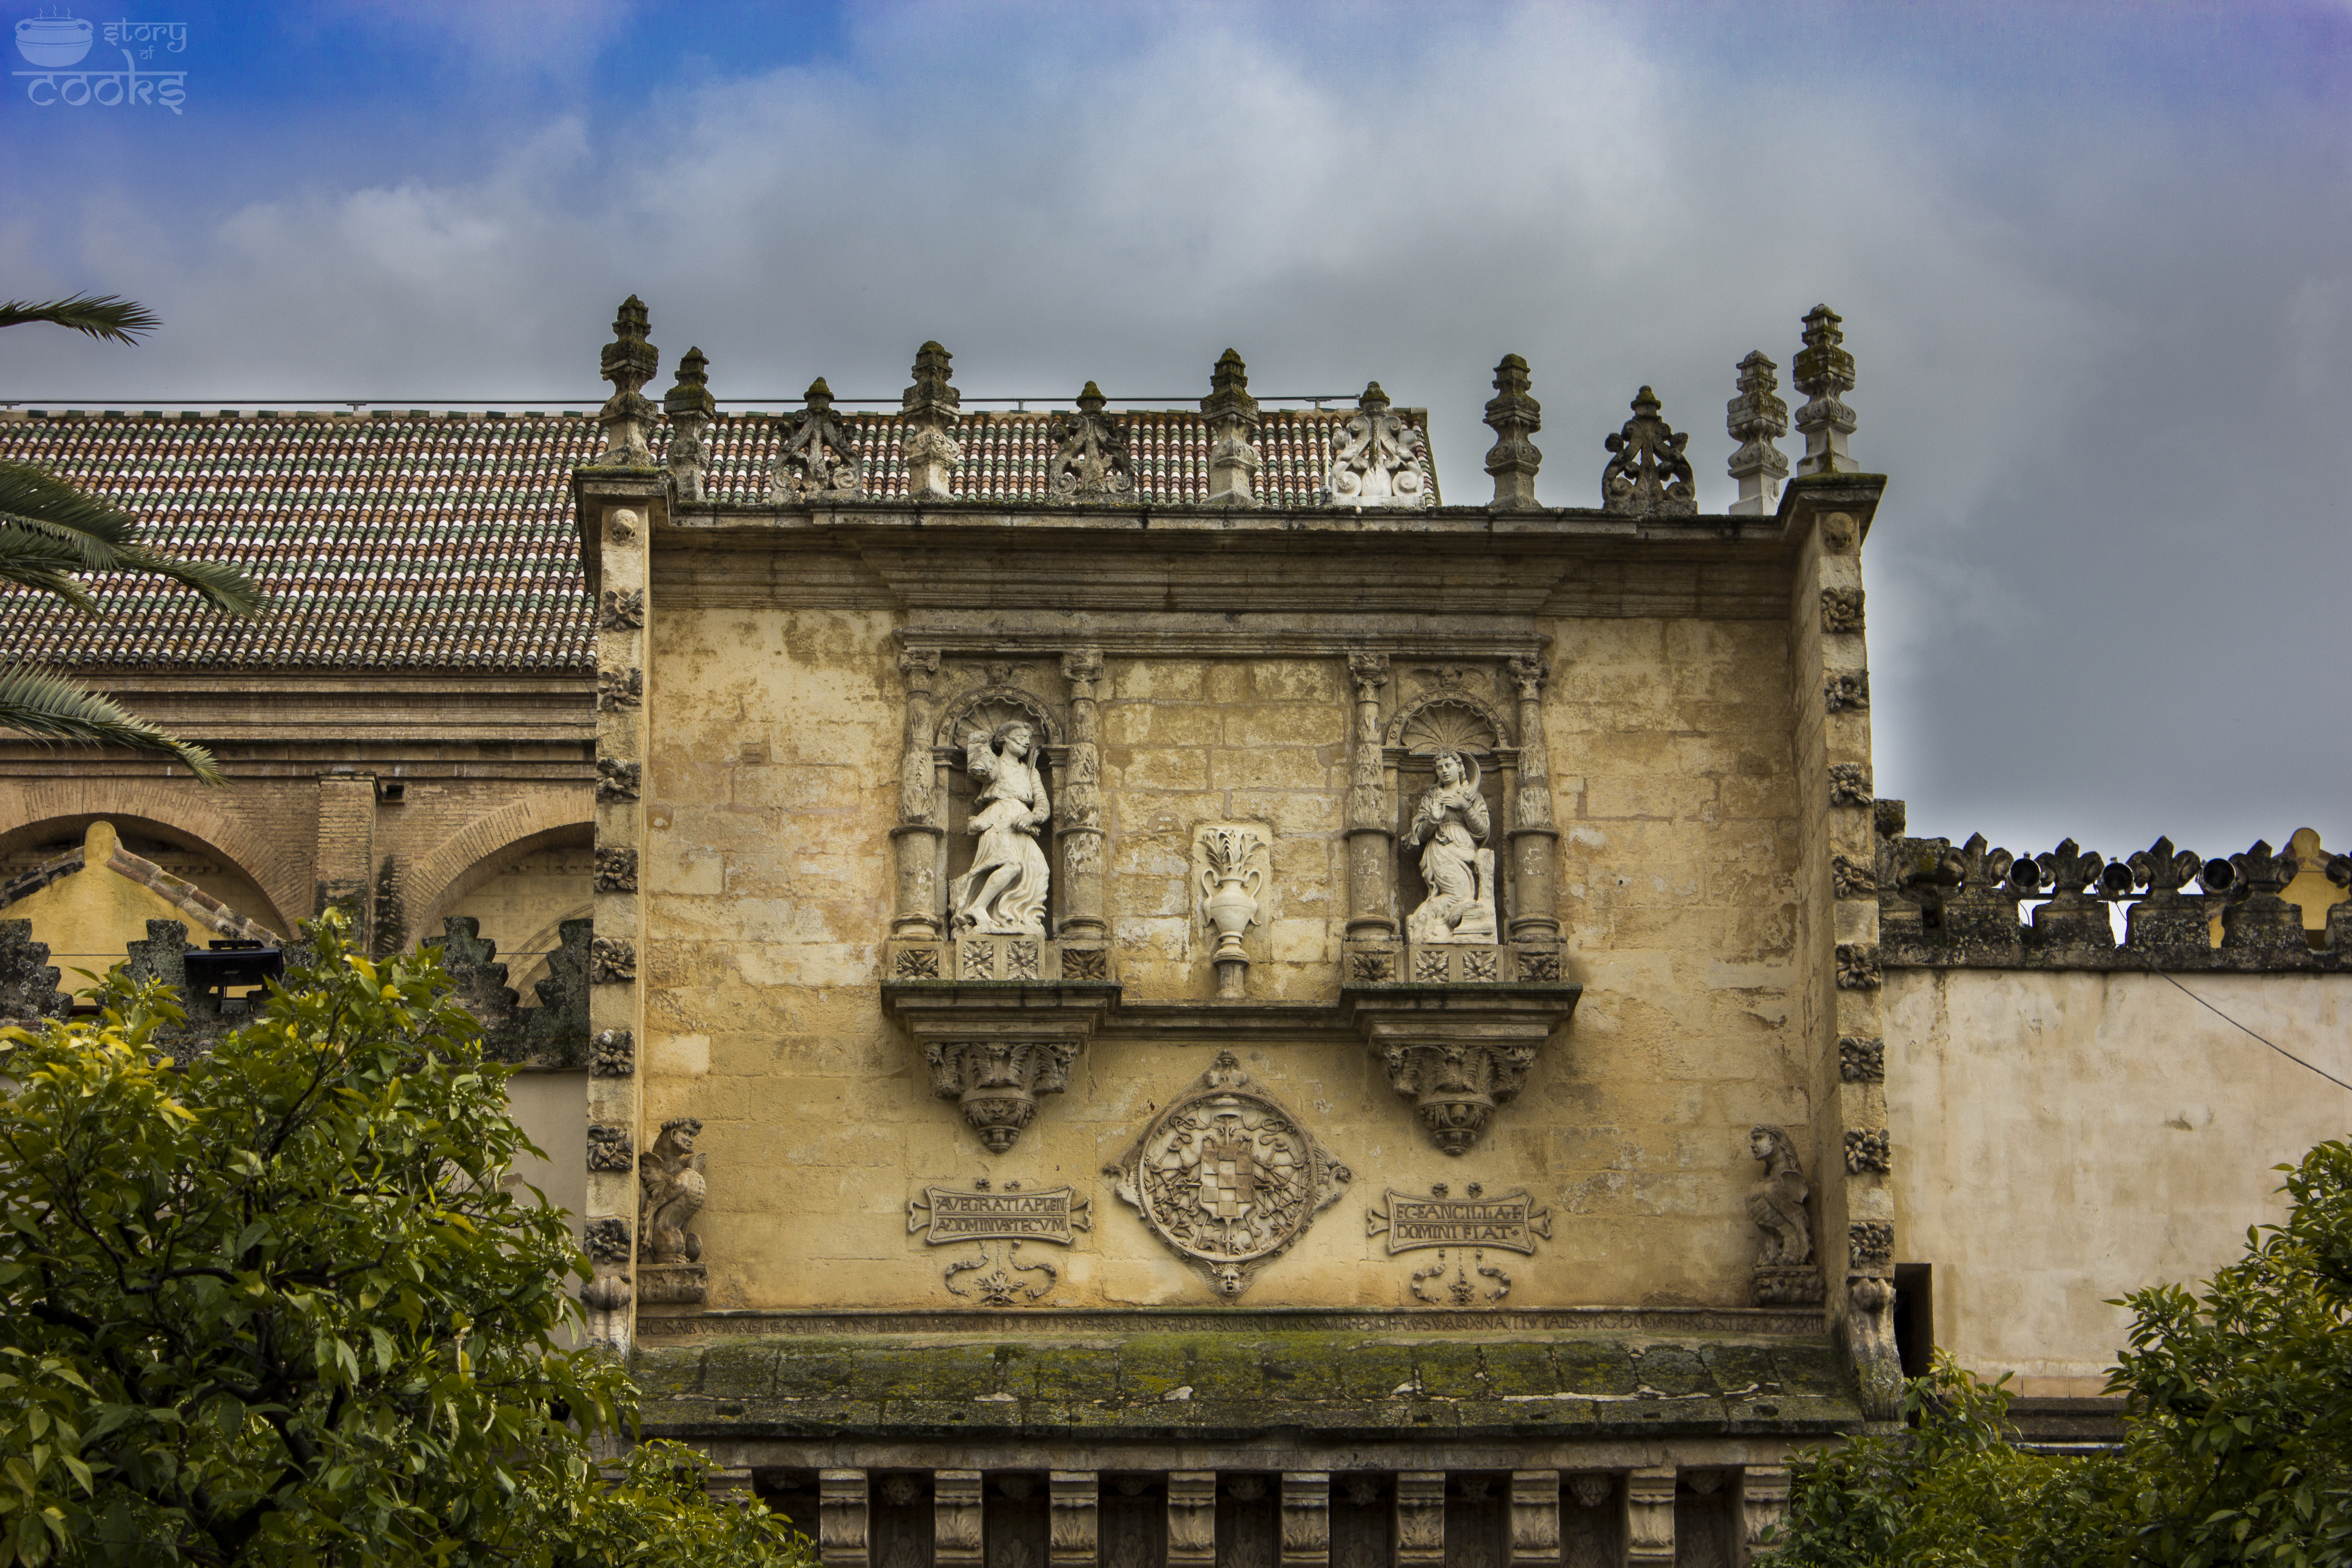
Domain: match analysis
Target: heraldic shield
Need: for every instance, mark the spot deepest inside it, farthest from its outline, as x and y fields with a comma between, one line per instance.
x=1227, y=1179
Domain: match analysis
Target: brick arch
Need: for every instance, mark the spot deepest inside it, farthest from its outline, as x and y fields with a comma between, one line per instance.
x=473, y=855
x=262, y=854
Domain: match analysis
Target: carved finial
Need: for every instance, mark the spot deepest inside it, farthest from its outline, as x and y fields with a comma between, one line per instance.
x=1514, y=417
x=629, y=362
x=689, y=406
x=816, y=460
x=1757, y=418
x=1647, y=474
x=1090, y=457
x=1823, y=370
x=2264, y=869
x=1232, y=415
x=930, y=410
x=1376, y=459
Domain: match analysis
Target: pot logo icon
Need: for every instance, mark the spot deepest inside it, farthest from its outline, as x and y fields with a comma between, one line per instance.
x=53, y=41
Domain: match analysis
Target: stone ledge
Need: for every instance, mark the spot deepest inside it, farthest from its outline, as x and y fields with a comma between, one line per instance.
x=2115, y=960
x=1379, y=1385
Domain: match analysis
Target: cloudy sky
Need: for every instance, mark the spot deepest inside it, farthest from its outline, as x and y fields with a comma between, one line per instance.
x=2095, y=263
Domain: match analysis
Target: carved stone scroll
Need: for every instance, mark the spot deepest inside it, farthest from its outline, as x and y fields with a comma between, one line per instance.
x=1074, y=1527
x=817, y=460
x=1647, y=474
x=957, y=1537
x=1090, y=461
x=1535, y=1519
x=1081, y=837
x=916, y=837
x=1376, y=459
x=842, y=1519
x=1533, y=838
x=1421, y=1520
x=1227, y=1178
x=1305, y=1518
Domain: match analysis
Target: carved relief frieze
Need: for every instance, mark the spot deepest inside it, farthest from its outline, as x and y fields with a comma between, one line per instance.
x=998, y=1082
x=1227, y=1178
x=1455, y=1085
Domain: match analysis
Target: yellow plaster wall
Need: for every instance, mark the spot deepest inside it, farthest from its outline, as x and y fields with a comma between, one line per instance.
x=521, y=907
x=771, y=789
x=2064, y=1138
x=89, y=917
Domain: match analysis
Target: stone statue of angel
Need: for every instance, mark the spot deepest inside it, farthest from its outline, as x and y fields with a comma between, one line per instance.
x=1004, y=894
x=1449, y=821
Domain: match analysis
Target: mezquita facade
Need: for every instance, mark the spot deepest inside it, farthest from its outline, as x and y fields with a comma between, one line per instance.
x=1135, y=986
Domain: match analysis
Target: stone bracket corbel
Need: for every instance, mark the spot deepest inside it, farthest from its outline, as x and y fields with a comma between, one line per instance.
x=1459, y=1054
x=997, y=1050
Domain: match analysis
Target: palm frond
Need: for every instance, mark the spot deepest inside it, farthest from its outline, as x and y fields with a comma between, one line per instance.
x=38, y=560
x=35, y=503
x=109, y=316
x=49, y=707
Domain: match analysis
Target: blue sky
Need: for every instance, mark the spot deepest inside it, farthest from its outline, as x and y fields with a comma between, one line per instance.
x=2095, y=263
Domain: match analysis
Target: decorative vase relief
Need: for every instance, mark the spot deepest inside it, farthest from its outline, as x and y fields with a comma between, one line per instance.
x=1231, y=866
x=1227, y=1179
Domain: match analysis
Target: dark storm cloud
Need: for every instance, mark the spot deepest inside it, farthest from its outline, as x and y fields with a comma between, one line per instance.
x=2092, y=265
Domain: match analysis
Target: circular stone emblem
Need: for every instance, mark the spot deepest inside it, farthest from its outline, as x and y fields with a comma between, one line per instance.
x=1227, y=1178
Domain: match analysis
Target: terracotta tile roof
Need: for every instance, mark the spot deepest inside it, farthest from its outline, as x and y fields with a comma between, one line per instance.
x=426, y=543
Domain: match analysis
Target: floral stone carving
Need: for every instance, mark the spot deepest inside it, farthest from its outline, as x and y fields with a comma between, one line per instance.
x=1227, y=1178
x=998, y=1082
x=1647, y=474
x=1004, y=894
x=1090, y=460
x=1456, y=1086
x=818, y=460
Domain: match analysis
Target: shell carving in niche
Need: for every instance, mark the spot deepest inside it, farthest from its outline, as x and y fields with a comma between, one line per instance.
x=1442, y=727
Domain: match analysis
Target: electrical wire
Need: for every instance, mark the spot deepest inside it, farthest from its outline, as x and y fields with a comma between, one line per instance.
x=2209, y=1007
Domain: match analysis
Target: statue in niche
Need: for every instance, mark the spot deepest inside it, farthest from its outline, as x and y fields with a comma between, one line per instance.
x=1777, y=1203
x=1450, y=820
x=1004, y=894
x=671, y=1175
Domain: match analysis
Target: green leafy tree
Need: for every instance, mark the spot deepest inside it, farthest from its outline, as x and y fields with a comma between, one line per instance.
x=2238, y=1414
x=51, y=532
x=283, y=1305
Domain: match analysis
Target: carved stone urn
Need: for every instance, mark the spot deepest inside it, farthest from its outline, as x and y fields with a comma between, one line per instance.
x=1231, y=884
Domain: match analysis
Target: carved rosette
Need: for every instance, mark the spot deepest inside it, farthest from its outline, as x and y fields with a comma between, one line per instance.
x=1227, y=1178
x=998, y=1082
x=1455, y=1087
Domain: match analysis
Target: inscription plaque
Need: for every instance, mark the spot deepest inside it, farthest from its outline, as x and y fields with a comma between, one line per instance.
x=945, y=1215
x=1507, y=1220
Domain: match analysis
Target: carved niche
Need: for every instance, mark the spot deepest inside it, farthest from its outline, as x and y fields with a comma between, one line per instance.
x=998, y=875
x=1227, y=1178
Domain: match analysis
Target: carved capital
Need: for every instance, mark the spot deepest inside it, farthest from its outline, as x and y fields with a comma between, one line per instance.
x=998, y=1082
x=1529, y=671
x=1370, y=672
x=1082, y=667
x=918, y=665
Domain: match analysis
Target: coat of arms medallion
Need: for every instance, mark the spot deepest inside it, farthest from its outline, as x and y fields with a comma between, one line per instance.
x=1227, y=1178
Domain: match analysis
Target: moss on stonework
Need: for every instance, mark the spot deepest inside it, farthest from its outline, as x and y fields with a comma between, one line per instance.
x=1204, y=1384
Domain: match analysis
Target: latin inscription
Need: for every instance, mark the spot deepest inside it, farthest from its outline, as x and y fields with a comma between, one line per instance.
x=944, y=1215
x=1510, y=1221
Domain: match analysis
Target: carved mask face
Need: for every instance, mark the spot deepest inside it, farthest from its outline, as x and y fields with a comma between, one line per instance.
x=1229, y=1281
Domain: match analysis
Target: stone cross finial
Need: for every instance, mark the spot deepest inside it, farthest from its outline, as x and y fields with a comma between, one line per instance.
x=1822, y=371
x=689, y=406
x=1757, y=418
x=1090, y=457
x=629, y=362
x=1647, y=474
x=1514, y=417
x=817, y=461
x=930, y=410
x=1232, y=415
